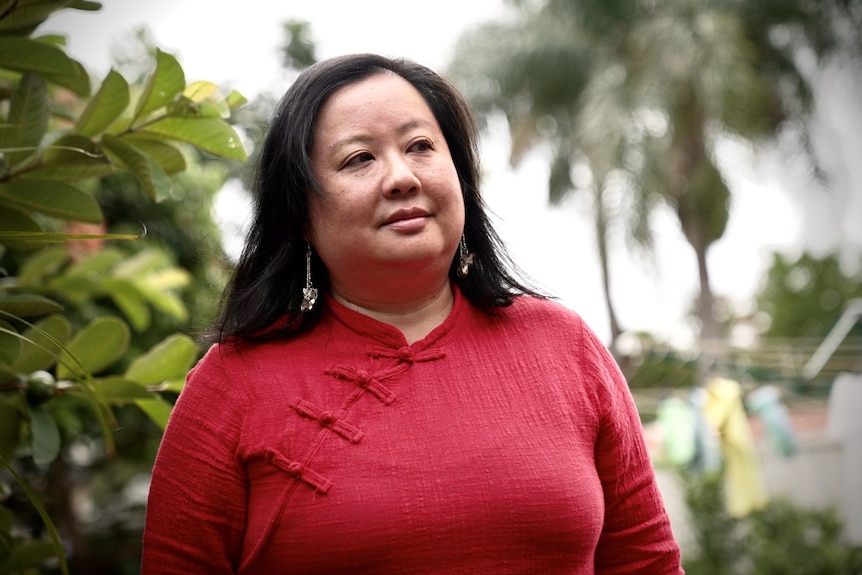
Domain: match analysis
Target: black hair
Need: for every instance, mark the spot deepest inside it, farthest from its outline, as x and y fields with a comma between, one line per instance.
x=262, y=300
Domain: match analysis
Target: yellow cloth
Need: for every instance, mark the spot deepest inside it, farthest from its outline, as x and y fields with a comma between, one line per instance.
x=745, y=490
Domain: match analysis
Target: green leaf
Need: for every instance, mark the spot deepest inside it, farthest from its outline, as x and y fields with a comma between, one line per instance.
x=10, y=429
x=171, y=358
x=85, y=5
x=103, y=411
x=9, y=377
x=235, y=100
x=100, y=344
x=145, y=169
x=52, y=198
x=164, y=301
x=44, y=436
x=42, y=265
x=106, y=106
x=71, y=172
x=27, y=305
x=120, y=390
x=27, y=121
x=58, y=40
x=97, y=263
x=39, y=350
x=163, y=85
x=167, y=156
x=10, y=343
x=170, y=278
x=7, y=517
x=26, y=55
x=59, y=551
x=175, y=384
x=200, y=99
x=23, y=16
x=77, y=290
x=126, y=296
x=15, y=220
x=78, y=81
x=142, y=263
x=72, y=157
x=72, y=149
x=202, y=90
x=28, y=556
x=40, y=239
x=157, y=409
x=212, y=135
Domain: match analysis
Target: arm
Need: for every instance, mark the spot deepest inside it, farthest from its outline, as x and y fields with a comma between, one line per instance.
x=197, y=502
x=636, y=537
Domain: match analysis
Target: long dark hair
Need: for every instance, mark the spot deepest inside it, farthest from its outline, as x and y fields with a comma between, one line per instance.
x=262, y=300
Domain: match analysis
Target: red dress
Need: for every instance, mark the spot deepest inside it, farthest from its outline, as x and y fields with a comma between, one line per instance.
x=498, y=444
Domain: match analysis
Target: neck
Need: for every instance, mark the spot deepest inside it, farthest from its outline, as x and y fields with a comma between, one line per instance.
x=414, y=316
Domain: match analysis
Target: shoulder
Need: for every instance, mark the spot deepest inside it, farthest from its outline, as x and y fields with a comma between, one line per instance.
x=560, y=330
x=227, y=369
x=546, y=309
x=538, y=322
x=549, y=318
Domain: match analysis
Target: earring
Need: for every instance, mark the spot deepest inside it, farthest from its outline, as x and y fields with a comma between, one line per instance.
x=466, y=259
x=309, y=292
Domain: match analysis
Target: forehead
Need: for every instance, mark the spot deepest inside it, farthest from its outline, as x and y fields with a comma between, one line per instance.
x=379, y=93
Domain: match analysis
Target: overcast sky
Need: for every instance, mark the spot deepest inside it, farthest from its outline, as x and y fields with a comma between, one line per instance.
x=238, y=47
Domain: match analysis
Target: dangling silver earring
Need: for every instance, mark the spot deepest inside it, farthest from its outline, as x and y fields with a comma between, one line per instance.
x=309, y=292
x=466, y=259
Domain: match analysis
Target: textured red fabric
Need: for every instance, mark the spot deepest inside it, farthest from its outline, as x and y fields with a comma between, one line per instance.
x=498, y=444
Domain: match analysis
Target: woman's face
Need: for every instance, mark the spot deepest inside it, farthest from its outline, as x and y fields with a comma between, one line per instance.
x=392, y=205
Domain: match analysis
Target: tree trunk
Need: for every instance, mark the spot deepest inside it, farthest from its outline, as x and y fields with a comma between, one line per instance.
x=710, y=338
x=602, y=245
x=710, y=334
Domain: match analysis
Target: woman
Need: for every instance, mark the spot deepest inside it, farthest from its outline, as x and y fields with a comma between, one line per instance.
x=384, y=395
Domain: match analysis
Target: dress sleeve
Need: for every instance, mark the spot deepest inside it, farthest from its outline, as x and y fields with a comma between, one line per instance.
x=196, y=509
x=636, y=536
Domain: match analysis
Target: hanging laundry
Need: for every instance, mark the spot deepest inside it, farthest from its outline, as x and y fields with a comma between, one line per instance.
x=765, y=403
x=675, y=418
x=745, y=489
x=707, y=457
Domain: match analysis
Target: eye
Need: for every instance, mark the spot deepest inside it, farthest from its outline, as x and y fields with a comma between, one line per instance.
x=421, y=146
x=359, y=158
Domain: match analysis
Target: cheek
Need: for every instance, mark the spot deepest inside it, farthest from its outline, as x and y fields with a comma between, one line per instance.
x=331, y=217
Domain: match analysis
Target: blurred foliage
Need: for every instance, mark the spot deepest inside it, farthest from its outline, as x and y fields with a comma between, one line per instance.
x=95, y=333
x=780, y=539
x=718, y=539
x=628, y=99
x=298, y=50
x=805, y=297
x=652, y=364
x=798, y=303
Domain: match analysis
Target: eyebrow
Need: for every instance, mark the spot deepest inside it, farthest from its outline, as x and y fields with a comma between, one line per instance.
x=365, y=138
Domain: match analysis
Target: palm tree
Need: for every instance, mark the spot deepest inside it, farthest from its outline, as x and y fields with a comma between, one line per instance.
x=639, y=92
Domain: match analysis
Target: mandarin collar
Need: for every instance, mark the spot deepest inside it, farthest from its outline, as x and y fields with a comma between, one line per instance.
x=382, y=333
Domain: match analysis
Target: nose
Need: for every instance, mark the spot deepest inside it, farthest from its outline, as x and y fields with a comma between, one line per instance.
x=400, y=177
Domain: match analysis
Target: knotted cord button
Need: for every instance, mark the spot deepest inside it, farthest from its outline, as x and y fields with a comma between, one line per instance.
x=333, y=420
x=327, y=419
x=406, y=354
x=363, y=378
x=299, y=471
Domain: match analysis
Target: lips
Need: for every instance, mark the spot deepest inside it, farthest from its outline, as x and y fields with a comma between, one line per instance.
x=402, y=215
